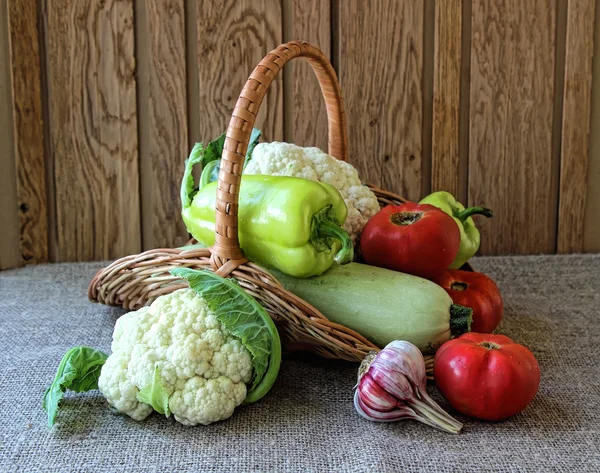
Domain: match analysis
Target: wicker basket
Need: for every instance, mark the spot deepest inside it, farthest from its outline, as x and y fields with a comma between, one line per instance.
x=135, y=281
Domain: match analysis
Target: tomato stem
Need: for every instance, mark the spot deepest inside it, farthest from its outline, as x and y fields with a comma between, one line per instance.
x=489, y=345
x=405, y=218
x=459, y=286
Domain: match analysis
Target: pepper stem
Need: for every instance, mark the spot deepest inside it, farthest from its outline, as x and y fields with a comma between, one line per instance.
x=460, y=319
x=326, y=228
x=466, y=213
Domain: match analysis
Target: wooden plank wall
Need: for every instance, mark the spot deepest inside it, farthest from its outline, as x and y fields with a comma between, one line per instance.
x=591, y=223
x=9, y=236
x=162, y=117
x=93, y=128
x=28, y=131
x=511, y=109
x=491, y=100
x=575, y=125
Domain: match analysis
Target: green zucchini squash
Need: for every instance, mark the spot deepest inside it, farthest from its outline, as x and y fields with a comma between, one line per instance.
x=383, y=305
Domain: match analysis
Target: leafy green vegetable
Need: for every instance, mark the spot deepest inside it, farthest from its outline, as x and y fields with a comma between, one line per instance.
x=244, y=318
x=156, y=395
x=210, y=159
x=214, y=150
x=78, y=371
x=254, y=136
x=188, y=186
x=210, y=173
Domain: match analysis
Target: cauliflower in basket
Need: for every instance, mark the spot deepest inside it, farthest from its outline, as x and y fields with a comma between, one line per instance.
x=202, y=366
x=285, y=159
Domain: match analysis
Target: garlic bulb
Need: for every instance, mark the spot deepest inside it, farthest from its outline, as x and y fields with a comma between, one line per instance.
x=392, y=386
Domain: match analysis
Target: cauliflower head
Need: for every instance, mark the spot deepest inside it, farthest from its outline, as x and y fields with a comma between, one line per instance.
x=202, y=366
x=286, y=159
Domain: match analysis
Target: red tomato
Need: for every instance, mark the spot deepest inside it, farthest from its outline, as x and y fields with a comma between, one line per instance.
x=417, y=239
x=486, y=376
x=477, y=291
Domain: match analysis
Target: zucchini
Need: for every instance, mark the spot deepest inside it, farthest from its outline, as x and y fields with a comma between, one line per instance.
x=383, y=305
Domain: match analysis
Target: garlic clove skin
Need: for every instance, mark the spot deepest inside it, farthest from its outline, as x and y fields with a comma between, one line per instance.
x=392, y=386
x=392, y=381
x=409, y=360
x=374, y=396
x=399, y=413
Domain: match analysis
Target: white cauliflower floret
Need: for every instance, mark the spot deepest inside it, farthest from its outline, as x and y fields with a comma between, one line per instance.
x=118, y=388
x=285, y=159
x=202, y=401
x=203, y=368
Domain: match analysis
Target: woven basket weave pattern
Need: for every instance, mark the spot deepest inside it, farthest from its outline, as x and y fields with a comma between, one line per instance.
x=137, y=280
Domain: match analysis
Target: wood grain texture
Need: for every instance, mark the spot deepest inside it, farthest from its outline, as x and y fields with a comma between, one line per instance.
x=380, y=68
x=591, y=224
x=163, y=125
x=93, y=128
x=10, y=254
x=511, y=111
x=305, y=113
x=191, y=46
x=233, y=36
x=575, y=125
x=28, y=131
x=445, y=156
x=427, y=94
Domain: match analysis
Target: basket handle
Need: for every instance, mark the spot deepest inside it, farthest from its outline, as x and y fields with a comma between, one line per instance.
x=226, y=254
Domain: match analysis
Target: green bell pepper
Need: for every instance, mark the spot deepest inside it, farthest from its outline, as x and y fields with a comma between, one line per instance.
x=469, y=235
x=287, y=223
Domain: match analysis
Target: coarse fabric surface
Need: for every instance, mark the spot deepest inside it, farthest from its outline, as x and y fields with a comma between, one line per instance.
x=307, y=423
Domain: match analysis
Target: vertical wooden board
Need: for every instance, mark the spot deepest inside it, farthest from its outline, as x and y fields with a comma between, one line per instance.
x=427, y=73
x=28, y=131
x=511, y=111
x=591, y=226
x=9, y=236
x=464, y=103
x=305, y=112
x=161, y=58
x=575, y=125
x=93, y=128
x=446, y=96
x=233, y=37
x=191, y=54
x=380, y=67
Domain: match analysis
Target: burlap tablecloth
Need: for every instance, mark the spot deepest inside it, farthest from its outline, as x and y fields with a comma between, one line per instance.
x=307, y=423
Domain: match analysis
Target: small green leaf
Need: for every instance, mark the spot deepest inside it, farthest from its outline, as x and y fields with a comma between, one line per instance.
x=78, y=371
x=214, y=150
x=244, y=318
x=155, y=395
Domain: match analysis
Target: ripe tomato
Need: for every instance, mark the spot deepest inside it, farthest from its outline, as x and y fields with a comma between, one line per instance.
x=417, y=239
x=486, y=376
x=477, y=291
